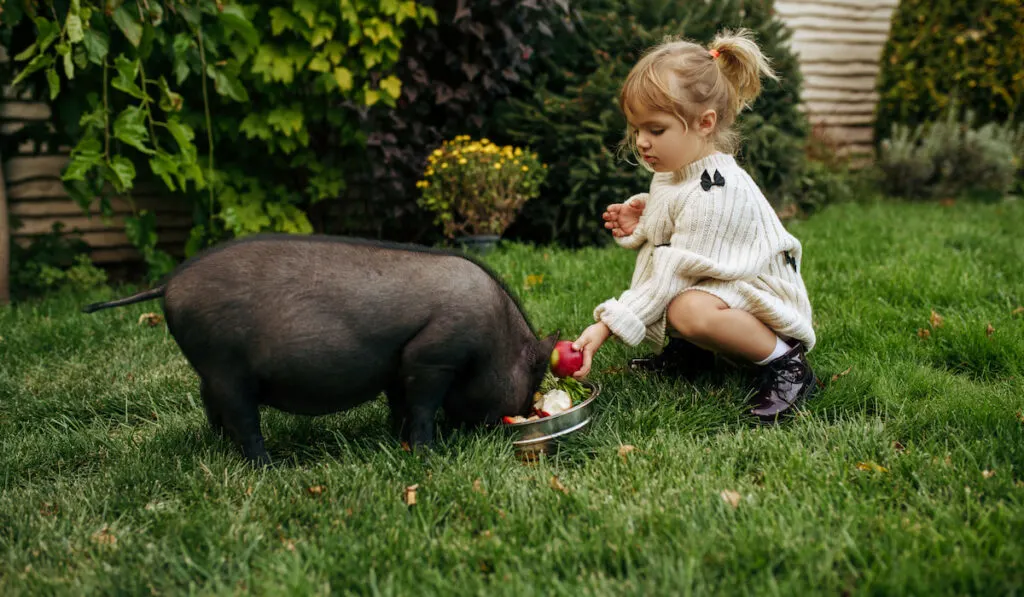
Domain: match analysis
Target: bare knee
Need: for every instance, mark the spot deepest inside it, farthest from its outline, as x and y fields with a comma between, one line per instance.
x=692, y=314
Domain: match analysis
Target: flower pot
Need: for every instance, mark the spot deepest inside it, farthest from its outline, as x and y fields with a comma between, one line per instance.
x=478, y=243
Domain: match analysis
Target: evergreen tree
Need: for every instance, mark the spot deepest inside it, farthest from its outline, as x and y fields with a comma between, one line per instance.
x=570, y=113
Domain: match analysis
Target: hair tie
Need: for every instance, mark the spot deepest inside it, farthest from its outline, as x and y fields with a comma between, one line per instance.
x=714, y=53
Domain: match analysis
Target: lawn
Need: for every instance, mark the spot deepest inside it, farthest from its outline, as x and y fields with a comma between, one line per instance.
x=904, y=476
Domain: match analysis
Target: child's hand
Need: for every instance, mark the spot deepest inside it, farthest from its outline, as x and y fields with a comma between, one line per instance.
x=622, y=218
x=589, y=341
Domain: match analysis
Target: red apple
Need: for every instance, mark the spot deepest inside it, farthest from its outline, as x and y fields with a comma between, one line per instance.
x=565, y=360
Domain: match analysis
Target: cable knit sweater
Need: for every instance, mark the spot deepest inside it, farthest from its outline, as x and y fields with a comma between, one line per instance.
x=725, y=240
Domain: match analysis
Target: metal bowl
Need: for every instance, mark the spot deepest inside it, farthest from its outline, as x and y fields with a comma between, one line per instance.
x=535, y=437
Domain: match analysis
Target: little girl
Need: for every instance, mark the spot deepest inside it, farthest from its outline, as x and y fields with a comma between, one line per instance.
x=714, y=262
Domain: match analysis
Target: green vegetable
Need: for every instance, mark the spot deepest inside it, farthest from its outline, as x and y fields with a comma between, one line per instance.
x=570, y=385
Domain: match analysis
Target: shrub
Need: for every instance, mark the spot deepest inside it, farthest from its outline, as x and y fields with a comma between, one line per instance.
x=476, y=187
x=52, y=261
x=941, y=53
x=572, y=118
x=452, y=75
x=950, y=157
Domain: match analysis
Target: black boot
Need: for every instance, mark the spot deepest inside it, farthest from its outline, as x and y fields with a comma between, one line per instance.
x=679, y=357
x=784, y=382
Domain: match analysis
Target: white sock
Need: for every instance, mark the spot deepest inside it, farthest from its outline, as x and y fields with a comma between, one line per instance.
x=781, y=348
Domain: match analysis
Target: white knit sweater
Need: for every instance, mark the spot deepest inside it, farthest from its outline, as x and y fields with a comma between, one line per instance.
x=726, y=241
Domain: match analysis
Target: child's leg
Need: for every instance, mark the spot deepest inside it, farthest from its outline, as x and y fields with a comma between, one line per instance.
x=707, y=321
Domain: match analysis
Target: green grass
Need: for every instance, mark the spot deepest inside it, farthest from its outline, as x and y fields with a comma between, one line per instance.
x=102, y=437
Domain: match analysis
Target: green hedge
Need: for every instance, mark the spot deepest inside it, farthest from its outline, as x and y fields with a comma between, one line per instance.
x=572, y=119
x=939, y=53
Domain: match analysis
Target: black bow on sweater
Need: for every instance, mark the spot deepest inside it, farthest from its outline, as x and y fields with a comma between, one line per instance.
x=706, y=182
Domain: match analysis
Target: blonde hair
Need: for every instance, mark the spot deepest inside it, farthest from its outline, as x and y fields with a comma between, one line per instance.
x=685, y=79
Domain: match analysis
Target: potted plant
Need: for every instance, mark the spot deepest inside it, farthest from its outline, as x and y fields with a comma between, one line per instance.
x=476, y=188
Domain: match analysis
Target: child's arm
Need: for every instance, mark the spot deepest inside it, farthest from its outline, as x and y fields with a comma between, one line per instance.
x=708, y=242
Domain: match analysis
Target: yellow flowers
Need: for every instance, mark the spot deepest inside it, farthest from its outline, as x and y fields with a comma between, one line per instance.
x=469, y=188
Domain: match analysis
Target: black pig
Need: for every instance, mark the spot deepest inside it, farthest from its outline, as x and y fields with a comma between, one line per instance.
x=317, y=324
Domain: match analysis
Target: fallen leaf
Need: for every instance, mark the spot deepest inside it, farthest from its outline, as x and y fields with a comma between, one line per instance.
x=557, y=485
x=533, y=280
x=947, y=202
x=478, y=486
x=48, y=509
x=104, y=537
x=923, y=333
x=625, y=449
x=989, y=330
x=871, y=466
x=936, y=320
x=988, y=474
x=730, y=497
x=409, y=497
x=153, y=319
x=843, y=374
x=898, y=446
x=289, y=544
x=1020, y=416
x=1017, y=311
x=248, y=490
x=315, y=490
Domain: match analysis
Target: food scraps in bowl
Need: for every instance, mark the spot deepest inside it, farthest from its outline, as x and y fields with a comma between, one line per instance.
x=556, y=395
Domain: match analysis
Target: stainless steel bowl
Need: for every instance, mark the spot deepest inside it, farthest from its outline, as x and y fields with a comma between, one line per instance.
x=535, y=437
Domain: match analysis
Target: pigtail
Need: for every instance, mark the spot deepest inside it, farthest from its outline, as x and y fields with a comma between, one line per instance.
x=743, y=64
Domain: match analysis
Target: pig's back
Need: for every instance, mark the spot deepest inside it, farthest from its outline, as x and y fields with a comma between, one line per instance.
x=286, y=291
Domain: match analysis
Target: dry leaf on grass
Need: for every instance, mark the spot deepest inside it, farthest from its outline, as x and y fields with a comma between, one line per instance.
x=923, y=333
x=533, y=280
x=871, y=466
x=898, y=446
x=1017, y=311
x=409, y=496
x=730, y=497
x=153, y=319
x=315, y=490
x=988, y=474
x=936, y=320
x=478, y=486
x=989, y=330
x=104, y=537
x=625, y=449
x=843, y=374
x=947, y=202
x=557, y=485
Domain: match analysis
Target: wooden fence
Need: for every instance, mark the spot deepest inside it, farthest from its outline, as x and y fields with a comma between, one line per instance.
x=36, y=198
x=839, y=45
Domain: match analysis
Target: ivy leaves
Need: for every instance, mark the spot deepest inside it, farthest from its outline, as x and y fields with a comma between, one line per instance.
x=165, y=71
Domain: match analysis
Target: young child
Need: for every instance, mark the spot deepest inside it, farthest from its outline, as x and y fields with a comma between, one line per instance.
x=714, y=262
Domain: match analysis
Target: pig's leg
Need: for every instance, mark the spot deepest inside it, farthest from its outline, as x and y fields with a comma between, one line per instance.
x=399, y=411
x=213, y=414
x=425, y=389
x=240, y=416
